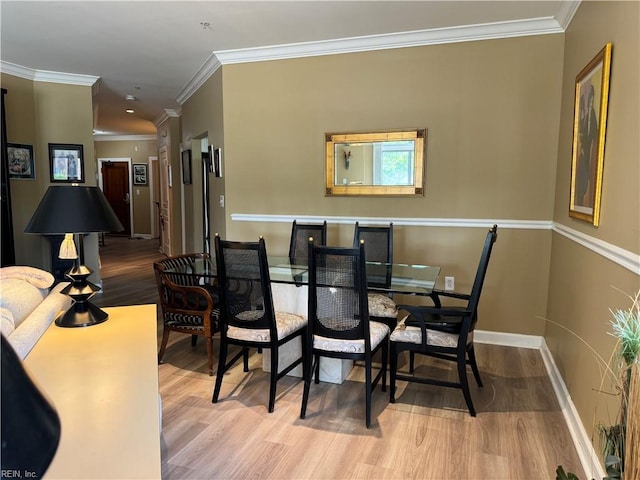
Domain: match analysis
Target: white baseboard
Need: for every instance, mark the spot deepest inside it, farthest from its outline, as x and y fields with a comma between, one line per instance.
x=589, y=458
x=508, y=339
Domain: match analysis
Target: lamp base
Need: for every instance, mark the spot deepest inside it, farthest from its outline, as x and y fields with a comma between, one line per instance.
x=82, y=314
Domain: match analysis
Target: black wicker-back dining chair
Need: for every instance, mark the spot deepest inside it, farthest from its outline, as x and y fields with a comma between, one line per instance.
x=445, y=332
x=247, y=315
x=188, y=303
x=300, y=233
x=379, y=249
x=339, y=325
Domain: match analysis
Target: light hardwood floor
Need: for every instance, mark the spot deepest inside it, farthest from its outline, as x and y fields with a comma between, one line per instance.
x=519, y=432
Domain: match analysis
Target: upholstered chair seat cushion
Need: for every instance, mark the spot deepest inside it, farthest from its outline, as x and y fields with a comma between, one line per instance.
x=411, y=334
x=286, y=324
x=178, y=320
x=377, y=332
x=381, y=305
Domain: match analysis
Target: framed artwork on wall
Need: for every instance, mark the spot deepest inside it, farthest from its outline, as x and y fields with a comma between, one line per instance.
x=589, y=131
x=21, y=163
x=186, y=167
x=66, y=163
x=139, y=174
x=217, y=161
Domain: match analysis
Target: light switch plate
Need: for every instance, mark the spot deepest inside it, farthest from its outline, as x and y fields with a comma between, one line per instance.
x=449, y=283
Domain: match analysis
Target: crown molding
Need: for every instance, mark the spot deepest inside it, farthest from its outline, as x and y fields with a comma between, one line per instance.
x=207, y=69
x=168, y=113
x=566, y=13
x=468, y=33
x=122, y=138
x=17, y=70
x=536, y=26
x=48, y=76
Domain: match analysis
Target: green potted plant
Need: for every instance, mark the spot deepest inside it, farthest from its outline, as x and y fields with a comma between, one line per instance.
x=626, y=329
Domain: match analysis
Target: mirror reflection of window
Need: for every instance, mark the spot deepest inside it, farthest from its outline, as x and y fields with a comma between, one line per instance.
x=393, y=163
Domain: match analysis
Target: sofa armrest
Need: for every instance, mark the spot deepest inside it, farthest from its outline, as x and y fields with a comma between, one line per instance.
x=26, y=335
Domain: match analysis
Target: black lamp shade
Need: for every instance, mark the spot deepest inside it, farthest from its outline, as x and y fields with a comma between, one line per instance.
x=78, y=210
x=73, y=209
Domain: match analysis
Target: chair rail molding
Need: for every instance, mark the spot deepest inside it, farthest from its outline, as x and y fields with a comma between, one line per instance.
x=624, y=258
x=411, y=222
x=620, y=256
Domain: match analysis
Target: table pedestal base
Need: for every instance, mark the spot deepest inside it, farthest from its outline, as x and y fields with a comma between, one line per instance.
x=332, y=370
x=293, y=299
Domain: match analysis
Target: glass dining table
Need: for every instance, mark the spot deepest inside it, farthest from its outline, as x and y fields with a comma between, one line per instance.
x=400, y=278
x=289, y=288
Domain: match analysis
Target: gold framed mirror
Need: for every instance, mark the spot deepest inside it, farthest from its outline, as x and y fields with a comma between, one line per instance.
x=389, y=163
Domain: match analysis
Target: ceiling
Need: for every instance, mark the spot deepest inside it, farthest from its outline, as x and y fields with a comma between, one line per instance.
x=161, y=51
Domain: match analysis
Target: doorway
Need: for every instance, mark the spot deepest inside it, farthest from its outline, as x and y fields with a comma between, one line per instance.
x=165, y=202
x=114, y=180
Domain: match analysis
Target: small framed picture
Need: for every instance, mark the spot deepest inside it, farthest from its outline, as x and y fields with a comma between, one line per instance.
x=206, y=159
x=217, y=161
x=139, y=174
x=186, y=167
x=21, y=163
x=66, y=163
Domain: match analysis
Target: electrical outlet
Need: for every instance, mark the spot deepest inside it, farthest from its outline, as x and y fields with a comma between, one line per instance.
x=449, y=283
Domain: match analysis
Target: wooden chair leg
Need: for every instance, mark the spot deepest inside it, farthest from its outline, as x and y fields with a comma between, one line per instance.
x=385, y=360
x=368, y=392
x=317, y=372
x=245, y=359
x=194, y=340
x=393, y=367
x=464, y=383
x=222, y=361
x=273, y=378
x=163, y=344
x=306, y=375
x=474, y=366
x=210, y=355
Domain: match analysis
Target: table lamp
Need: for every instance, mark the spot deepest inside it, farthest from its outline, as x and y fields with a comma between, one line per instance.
x=75, y=210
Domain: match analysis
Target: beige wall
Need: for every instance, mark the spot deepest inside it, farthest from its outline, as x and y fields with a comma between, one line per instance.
x=139, y=152
x=40, y=113
x=492, y=112
x=25, y=194
x=490, y=107
x=202, y=117
x=584, y=285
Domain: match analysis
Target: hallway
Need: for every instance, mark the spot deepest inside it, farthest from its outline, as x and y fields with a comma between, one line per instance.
x=127, y=271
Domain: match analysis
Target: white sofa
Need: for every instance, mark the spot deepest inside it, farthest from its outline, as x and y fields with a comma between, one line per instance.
x=27, y=306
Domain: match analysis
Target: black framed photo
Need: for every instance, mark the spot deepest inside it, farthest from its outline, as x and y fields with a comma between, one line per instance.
x=217, y=161
x=186, y=167
x=66, y=163
x=21, y=163
x=139, y=174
